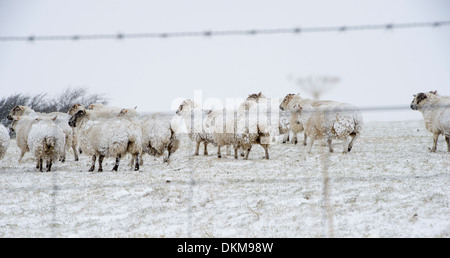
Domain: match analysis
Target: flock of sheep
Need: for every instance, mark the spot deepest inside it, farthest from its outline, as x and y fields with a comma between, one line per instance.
x=100, y=131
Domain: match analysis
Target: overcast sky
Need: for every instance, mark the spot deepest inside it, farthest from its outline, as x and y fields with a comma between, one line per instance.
x=376, y=67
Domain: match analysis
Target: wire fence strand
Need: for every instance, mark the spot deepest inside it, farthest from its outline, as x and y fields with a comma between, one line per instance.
x=227, y=33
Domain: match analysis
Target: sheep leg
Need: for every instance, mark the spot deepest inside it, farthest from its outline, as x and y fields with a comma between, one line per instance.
x=350, y=145
x=266, y=149
x=310, y=145
x=435, y=140
x=116, y=166
x=447, y=139
x=75, y=153
x=136, y=166
x=196, y=148
x=345, y=145
x=40, y=165
x=286, y=137
x=22, y=153
x=247, y=153
x=205, y=151
x=305, y=139
x=100, y=163
x=94, y=158
x=236, y=152
x=228, y=150
x=294, y=139
x=141, y=160
x=49, y=165
x=330, y=145
x=218, y=152
x=243, y=153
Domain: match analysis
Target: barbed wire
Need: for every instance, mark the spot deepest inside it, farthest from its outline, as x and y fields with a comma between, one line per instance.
x=211, y=33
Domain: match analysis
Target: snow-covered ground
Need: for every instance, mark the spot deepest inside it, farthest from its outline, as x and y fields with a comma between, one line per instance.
x=390, y=185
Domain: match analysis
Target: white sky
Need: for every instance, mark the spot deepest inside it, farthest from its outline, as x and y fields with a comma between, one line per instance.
x=376, y=67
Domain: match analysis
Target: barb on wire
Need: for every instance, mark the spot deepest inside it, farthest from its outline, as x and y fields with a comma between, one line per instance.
x=254, y=32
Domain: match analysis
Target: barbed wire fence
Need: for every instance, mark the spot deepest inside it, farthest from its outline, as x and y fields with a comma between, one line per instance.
x=327, y=218
x=229, y=33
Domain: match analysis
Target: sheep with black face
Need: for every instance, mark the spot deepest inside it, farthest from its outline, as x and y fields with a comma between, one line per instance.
x=436, y=113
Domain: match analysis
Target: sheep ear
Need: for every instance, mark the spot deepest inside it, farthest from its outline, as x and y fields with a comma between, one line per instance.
x=415, y=95
x=260, y=93
x=55, y=118
x=434, y=92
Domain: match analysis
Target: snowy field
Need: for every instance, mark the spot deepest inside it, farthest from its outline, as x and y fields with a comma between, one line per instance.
x=390, y=185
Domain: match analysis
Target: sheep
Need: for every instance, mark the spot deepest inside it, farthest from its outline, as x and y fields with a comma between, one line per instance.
x=242, y=128
x=61, y=120
x=252, y=125
x=4, y=141
x=46, y=141
x=326, y=119
x=222, y=125
x=158, y=136
x=22, y=126
x=436, y=113
x=295, y=123
x=72, y=111
x=193, y=118
x=102, y=138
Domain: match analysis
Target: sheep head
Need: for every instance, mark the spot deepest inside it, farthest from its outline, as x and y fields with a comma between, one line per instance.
x=186, y=106
x=12, y=126
x=256, y=97
x=77, y=117
x=16, y=111
x=284, y=104
x=421, y=98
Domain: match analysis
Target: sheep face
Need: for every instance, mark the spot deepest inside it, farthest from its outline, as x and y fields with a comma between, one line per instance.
x=77, y=117
x=284, y=104
x=16, y=111
x=187, y=105
x=419, y=100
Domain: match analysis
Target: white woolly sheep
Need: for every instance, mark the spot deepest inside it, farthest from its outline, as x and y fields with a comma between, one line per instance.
x=61, y=120
x=436, y=113
x=253, y=125
x=242, y=128
x=194, y=120
x=46, y=141
x=22, y=126
x=159, y=137
x=107, y=137
x=72, y=111
x=222, y=125
x=326, y=119
x=4, y=141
